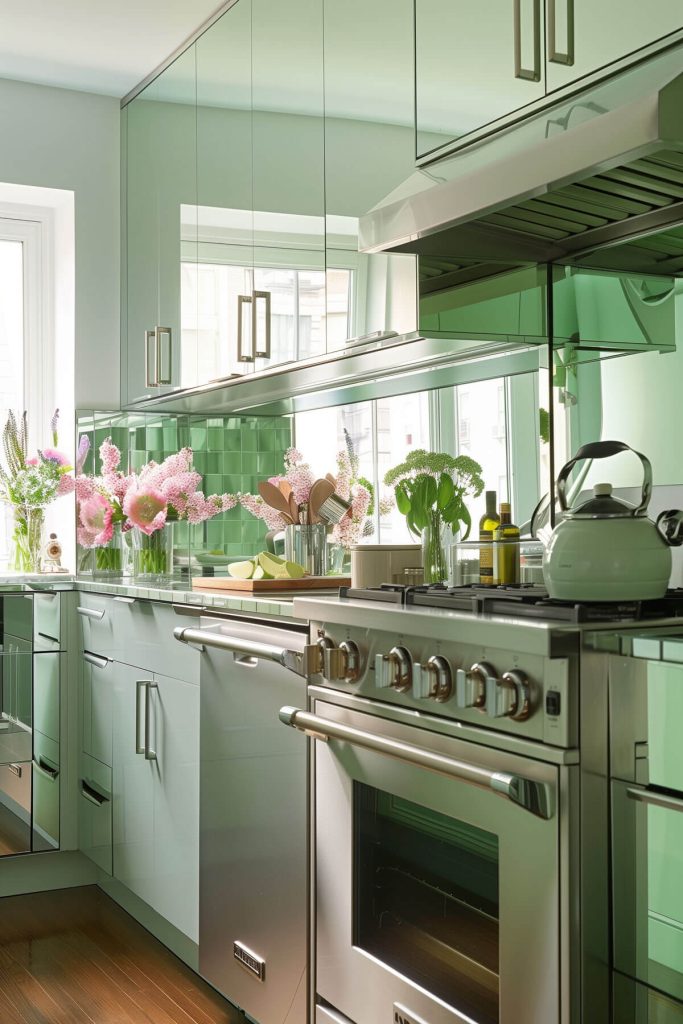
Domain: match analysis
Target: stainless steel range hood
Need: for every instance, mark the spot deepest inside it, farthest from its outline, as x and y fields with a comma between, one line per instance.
x=596, y=181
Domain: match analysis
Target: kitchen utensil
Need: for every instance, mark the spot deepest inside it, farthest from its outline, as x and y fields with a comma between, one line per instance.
x=333, y=509
x=293, y=509
x=286, y=488
x=332, y=479
x=606, y=549
x=320, y=492
x=274, y=497
x=307, y=545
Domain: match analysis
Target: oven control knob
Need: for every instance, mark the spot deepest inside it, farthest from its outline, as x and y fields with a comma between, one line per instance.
x=470, y=686
x=433, y=680
x=342, y=663
x=508, y=697
x=394, y=669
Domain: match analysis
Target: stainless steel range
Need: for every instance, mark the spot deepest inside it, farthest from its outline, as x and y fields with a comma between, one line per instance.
x=461, y=805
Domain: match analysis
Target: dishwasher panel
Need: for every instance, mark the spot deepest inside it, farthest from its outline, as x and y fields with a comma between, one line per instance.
x=253, y=827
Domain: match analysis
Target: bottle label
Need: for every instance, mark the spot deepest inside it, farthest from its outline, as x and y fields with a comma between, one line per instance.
x=486, y=563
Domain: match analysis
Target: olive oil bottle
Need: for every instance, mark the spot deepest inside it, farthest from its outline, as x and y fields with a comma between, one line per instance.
x=487, y=524
x=505, y=548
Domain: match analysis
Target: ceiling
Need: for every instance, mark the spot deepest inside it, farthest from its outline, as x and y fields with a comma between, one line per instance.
x=102, y=46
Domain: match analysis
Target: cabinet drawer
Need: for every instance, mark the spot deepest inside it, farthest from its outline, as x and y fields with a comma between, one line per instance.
x=97, y=698
x=145, y=630
x=17, y=611
x=95, y=812
x=46, y=694
x=15, y=786
x=96, y=615
x=47, y=623
x=45, y=793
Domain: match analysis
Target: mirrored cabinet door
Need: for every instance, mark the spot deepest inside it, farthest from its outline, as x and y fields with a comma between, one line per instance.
x=161, y=200
x=219, y=284
x=369, y=151
x=289, y=306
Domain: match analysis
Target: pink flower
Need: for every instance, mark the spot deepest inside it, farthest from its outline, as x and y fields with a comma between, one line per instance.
x=53, y=455
x=33, y=461
x=67, y=485
x=82, y=453
x=85, y=487
x=110, y=456
x=85, y=538
x=145, y=508
x=257, y=507
x=96, y=518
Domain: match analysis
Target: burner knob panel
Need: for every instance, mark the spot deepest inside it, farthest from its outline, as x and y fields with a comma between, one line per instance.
x=471, y=686
x=394, y=669
x=433, y=680
x=508, y=697
x=342, y=663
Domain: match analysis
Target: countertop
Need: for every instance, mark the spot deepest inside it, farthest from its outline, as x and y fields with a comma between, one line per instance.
x=280, y=605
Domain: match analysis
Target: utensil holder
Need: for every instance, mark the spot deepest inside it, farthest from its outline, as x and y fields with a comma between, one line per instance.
x=307, y=545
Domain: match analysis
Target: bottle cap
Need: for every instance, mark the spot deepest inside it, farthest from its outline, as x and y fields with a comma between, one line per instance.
x=505, y=506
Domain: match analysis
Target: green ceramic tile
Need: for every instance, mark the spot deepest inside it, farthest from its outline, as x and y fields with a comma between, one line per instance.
x=268, y=464
x=213, y=484
x=154, y=438
x=249, y=462
x=215, y=532
x=233, y=440
x=232, y=484
x=216, y=438
x=199, y=461
x=170, y=435
x=232, y=462
x=214, y=462
x=267, y=441
x=198, y=438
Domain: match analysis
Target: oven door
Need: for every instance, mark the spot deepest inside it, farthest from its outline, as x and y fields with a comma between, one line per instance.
x=437, y=894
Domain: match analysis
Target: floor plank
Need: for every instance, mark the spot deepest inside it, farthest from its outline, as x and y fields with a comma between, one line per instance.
x=73, y=956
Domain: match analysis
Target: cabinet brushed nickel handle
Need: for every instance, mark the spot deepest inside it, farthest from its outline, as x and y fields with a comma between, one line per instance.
x=16, y=769
x=90, y=794
x=125, y=600
x=91, y=613
x=535, y=797
x=528, y=74
x=554, y=55
x=242, y=356
x=263, y=353
x=150, y=347
x=653, y=799
x=164, y=332
x=150, y=754
x=46, y=770
x=139, y=685
x=95, y=659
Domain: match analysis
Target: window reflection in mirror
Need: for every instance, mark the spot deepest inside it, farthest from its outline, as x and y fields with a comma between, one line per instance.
x=496, y=422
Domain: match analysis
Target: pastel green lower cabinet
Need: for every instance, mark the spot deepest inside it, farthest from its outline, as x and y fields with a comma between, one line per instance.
x=45, y=776
x=95, y=812
x=155, y=783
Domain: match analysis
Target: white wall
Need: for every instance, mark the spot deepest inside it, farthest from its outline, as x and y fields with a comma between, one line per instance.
x=57, y=138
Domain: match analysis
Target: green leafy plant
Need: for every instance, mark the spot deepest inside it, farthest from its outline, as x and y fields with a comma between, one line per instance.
x=431, y=486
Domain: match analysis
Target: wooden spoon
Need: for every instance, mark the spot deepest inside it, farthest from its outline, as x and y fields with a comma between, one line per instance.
x=274, y=497
x=332, y=479
x=320, y=492
x=293, y=509
x=286, y=488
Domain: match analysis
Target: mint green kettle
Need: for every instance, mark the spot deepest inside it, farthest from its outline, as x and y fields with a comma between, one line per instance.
x=606, y=549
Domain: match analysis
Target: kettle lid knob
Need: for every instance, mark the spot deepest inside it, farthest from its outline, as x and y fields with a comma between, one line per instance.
x=602, y=490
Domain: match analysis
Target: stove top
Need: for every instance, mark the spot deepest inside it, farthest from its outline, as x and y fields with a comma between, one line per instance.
x=529, y=601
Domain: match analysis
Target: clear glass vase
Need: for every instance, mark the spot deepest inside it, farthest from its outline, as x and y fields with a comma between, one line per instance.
x=153, y=555
x=115, y=558
x=27, y=539
x=435, y=543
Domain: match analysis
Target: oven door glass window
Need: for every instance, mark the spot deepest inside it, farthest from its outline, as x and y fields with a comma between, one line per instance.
x=426, y=899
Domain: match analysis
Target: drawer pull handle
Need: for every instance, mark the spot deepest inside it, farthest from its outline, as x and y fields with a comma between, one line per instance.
x=95, y=659
x=16, y=769
x=125, y=600
x=90, y=794
x=46, y=770
x=91, y=613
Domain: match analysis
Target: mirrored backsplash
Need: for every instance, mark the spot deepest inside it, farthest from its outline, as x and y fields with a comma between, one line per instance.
x=232, y=453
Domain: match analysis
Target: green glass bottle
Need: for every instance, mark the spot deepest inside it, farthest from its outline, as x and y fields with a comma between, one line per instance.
x=487, y=524
x=505, y=548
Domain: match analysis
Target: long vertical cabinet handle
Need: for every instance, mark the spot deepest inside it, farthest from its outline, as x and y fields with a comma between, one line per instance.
x=529, y=74
x=151, y=354
x=555, y=55
x=164, y=332
x=150, y=753
x=262, y=353
x=139, y=686
x=242, y=356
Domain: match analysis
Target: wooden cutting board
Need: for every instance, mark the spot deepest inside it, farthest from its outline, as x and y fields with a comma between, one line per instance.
x=269, y=586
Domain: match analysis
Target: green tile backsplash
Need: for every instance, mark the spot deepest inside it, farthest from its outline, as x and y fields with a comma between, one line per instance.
x=231, y=453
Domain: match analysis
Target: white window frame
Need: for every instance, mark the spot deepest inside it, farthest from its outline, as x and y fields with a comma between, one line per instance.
x=33, y=226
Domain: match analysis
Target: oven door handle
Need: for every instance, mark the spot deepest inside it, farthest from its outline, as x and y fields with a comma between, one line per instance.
x=535, y=797
x=296, y=661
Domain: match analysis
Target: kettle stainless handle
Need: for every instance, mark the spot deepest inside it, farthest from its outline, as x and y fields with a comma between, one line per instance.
x=602, y=450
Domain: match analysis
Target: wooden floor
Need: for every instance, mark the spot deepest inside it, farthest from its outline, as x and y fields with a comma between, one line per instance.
x=74, y=957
